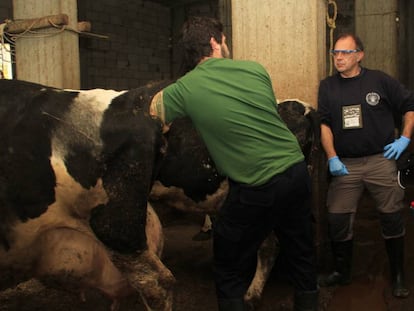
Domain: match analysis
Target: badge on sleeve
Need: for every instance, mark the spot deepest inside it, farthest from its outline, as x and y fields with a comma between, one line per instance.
x=351, y=117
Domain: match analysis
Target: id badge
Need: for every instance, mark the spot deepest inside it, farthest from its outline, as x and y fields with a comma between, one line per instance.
x=351, y=117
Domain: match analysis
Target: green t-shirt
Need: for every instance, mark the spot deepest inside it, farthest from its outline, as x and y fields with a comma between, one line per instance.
x=233, y=107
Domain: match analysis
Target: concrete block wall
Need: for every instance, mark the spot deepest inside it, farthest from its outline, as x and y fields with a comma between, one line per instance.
x=138, y=49
x=140, y=38
x=178, y=15
x=6, y=10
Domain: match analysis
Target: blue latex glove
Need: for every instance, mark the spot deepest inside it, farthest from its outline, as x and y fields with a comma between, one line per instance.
x=394, y=150
x=336, y=167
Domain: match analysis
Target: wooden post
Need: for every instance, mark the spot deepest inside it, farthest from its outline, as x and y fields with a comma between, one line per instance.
x=51, y=55
x=288, y=38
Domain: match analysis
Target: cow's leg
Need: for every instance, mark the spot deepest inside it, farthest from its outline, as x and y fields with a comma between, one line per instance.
x=205, y=231
x=176, y=198
x=148, y=275
x=208, y=225
x=265, y=260
x=75, y=260
x=153, y=230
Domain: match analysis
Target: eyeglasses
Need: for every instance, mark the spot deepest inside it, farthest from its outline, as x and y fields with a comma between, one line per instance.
x=335, y=53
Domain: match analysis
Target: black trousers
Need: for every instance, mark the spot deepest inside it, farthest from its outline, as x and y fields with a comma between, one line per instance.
x=247, y=218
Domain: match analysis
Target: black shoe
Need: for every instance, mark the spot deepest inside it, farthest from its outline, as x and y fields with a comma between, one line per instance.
x=395, y=251
x=342, y=252
x=335, y=278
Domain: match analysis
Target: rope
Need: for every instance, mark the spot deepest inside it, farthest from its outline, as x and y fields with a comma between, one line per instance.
x=70, y=125
x=56, y=29
x=330, y=21
x=77, y=31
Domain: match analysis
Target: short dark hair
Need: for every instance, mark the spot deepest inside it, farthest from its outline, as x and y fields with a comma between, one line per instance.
x=195, y=38
x=357, y=40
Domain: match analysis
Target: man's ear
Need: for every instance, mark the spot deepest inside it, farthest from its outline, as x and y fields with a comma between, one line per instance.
x=361, y=56
x=214, y=44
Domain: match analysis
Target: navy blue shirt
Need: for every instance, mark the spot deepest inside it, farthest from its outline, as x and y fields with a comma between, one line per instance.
x=372, y=99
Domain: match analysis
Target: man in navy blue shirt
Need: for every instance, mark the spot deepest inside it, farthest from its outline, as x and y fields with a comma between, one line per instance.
x=358, y=108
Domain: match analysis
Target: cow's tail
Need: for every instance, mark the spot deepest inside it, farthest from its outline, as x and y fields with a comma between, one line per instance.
x=314, y=120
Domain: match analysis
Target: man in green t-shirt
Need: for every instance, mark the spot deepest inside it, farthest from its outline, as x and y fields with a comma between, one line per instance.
x=233, y=107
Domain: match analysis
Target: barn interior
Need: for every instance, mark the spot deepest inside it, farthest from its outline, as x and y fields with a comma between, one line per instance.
x=130, y=43
x=133, y=42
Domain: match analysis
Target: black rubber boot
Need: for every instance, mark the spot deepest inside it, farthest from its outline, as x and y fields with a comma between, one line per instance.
x=306, y=300
x=395, y=251
x=342, y=275
x=232, y=305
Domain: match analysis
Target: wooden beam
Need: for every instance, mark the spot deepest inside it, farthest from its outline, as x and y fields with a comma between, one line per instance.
x=84, y=26
x=20, y=26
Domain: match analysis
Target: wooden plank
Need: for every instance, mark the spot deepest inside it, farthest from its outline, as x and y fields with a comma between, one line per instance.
x=84, y=26
x=288, y=38
x=375, y=23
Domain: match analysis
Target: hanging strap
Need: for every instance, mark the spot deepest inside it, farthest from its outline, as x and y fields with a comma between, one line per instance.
x=330, y=21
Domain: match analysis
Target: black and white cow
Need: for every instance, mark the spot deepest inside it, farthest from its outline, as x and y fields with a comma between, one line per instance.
x=188, y=180
x=76, y=168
